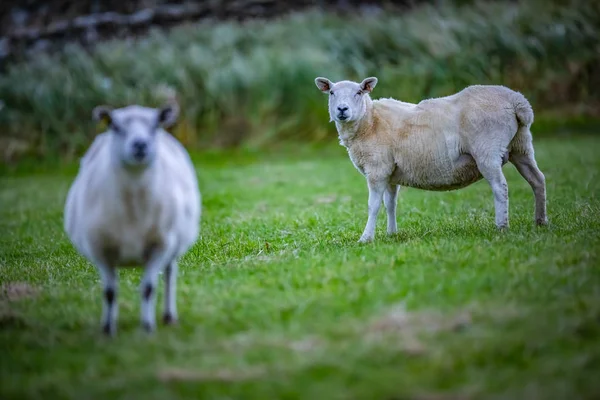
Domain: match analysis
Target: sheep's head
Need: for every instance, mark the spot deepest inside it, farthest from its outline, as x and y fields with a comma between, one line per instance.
x=347, y=99
x=134, y=130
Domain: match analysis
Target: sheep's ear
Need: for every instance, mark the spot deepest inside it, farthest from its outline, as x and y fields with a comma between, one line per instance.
x=368, y=84
x=102, y=113
x=168, y=114
x=323, y=84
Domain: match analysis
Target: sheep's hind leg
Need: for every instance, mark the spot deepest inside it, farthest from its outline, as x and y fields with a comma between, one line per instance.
x=170, y=312
x=492, y=172
x=158, y=260
x=108, y=276
x=389, y=199
x=527, y=167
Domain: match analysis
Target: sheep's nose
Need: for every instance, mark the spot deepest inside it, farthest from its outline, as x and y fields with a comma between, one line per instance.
x=140, y=146
x=140, y=149
x=342, y=109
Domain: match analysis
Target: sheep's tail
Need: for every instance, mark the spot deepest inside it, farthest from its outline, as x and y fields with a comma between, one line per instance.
x=523, y=110
x=522, y=141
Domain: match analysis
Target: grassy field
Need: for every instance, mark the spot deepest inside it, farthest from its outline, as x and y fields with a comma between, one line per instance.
x=279, y=301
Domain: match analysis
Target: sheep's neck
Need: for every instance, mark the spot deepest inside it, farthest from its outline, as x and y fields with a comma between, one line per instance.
x=127, y=177
x=351, y=131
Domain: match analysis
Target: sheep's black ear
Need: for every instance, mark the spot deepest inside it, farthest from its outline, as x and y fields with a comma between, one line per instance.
x=368, y=84
x=323, y=84
x=168, y=114
x=102, y=113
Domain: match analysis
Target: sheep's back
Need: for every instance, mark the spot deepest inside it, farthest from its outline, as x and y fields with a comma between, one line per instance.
x=484, y=105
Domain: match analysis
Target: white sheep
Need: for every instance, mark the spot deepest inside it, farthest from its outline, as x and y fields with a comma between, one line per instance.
x=438, y=144
x=135, y=202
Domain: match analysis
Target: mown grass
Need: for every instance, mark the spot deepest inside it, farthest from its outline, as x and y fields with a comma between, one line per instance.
x=279, y=301
x=252, y=83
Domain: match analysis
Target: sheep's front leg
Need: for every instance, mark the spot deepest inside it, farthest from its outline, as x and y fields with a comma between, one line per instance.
x=159, y=259
x=108, y=275
x=170, y=312
x=376, y=190
x=389, y=199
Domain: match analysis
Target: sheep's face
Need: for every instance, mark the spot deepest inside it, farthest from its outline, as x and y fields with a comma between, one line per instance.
x=347, y=99
x=134, y=131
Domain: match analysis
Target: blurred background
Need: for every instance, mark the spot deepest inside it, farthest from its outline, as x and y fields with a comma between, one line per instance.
x=243, y=71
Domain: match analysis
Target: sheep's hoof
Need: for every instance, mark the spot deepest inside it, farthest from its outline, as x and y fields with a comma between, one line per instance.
x=169, y=319
x=503, y=228
x=147, y=327
x=108, y=329
x=541, y=222
x=364, y=239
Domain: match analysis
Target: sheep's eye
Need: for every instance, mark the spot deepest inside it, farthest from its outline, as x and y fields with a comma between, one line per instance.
x=116, y=129
x=359, y=92
x=331, y=92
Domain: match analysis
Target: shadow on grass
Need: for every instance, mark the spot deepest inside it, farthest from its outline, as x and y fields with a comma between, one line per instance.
x=451, y=231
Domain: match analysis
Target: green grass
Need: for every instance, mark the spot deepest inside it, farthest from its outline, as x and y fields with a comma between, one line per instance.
x=279, y=301
x=252, y=84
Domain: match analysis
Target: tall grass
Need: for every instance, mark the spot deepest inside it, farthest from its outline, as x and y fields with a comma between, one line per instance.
x=251, y=83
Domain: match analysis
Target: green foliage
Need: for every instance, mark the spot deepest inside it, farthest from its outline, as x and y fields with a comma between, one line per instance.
x=279, y=301
x=251, y=83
